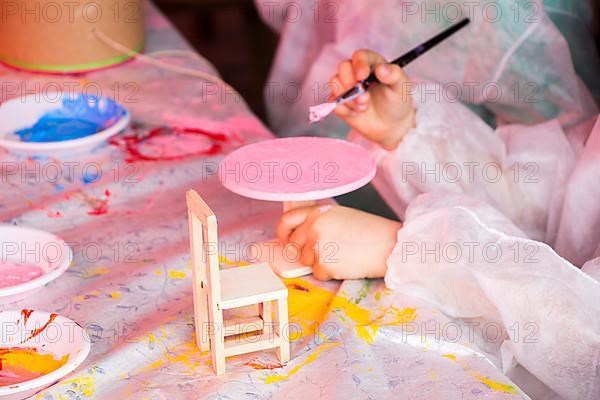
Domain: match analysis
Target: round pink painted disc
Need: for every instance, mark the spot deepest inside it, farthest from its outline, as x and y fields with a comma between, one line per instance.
x=297, y=169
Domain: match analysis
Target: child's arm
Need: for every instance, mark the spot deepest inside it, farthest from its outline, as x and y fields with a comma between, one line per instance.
x=385, y=113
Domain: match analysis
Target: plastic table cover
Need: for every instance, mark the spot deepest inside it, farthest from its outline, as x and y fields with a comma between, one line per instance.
x=130, y=282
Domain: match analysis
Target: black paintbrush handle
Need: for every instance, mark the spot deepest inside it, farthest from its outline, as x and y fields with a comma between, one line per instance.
x=420, y=49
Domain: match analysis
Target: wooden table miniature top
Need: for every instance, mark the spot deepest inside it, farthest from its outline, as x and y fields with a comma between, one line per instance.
x=297, y=169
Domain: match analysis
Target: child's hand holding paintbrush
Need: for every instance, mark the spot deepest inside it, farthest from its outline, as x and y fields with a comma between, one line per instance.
x=372, y=94
x=385, y=113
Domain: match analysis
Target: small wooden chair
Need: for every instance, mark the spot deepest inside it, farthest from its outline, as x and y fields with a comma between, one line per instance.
x=216, y=291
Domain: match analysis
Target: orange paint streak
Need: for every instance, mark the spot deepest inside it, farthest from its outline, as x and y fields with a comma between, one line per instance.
x=257, y=364
x=41, y=329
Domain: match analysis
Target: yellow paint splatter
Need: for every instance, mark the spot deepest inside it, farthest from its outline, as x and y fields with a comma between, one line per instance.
x=156, y=364
x=494, y=385
x=177, y=274
x=85, y=385
x=367, y=325
x=307, y=306
x=93, y=272
x=450, y=356
x=309, y=359
x=91, y=295
x=230, y=263
x=187, y=354
x=151, y=338
x=115, y=295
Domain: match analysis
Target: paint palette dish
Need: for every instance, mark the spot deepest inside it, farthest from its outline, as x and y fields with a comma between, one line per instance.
x=30, y=259
x=59, y=123
x=38, y=350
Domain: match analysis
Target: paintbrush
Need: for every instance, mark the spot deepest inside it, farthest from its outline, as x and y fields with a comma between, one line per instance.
x=320, y=111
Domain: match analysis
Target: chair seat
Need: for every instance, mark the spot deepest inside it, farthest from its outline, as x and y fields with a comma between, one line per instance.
x=253, y=284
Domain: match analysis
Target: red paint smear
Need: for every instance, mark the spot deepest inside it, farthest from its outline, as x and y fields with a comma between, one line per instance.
x=26, y=314
x=100, y=207
x=54, y=214
x=132, y=143
x=298, y=287
x=41, y=329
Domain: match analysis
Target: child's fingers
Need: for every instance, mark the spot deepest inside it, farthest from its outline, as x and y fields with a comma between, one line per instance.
x=364, y=98
x=361, y=104
x=391, y=75
x=290, y=221
x=346, y=74
x=363, y=62
x=342, y=110
x=346, y=109
x=299, y=236
x=307, y=256
x=335, y=84
x=351, y=108
x=320, y=272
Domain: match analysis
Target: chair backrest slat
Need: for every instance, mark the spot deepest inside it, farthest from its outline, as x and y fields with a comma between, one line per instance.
x=205, y=244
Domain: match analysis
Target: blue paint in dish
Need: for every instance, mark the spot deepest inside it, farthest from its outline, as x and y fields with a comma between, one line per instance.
x=79, y=116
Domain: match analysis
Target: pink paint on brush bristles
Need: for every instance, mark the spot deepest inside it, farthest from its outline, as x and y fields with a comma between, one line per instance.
x=317, y=113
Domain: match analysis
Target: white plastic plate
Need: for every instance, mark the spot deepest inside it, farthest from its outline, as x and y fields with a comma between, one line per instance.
x=24, y=112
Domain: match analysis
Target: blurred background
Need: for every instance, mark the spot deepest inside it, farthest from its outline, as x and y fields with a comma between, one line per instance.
x=231, y=35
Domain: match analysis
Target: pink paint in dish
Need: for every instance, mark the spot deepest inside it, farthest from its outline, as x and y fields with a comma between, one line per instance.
x=12, y=273
x=52, y=262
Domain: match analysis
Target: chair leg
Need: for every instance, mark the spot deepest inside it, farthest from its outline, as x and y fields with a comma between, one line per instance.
x=283, y=351
x=266, y=313
x=202, y=336
x=217, y=339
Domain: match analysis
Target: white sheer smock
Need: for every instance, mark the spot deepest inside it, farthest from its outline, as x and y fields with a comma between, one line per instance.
x=496, y=224
x=540, y=53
